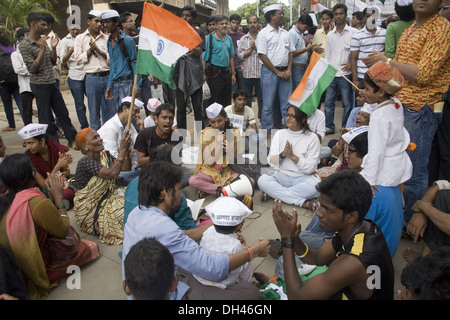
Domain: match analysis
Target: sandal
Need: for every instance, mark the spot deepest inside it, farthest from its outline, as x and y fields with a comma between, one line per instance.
x=264, y=197
x=311, y=204
x=275, y=249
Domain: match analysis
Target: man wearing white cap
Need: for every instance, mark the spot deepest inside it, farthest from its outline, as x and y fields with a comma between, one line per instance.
x=275, y=50
x=152, y=105
x=113, y=130
x=122, y=54
x=90, y=51
x=228, y=215
x=75, y=78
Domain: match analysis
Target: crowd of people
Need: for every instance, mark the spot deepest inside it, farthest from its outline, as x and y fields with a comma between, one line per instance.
x=385, y=177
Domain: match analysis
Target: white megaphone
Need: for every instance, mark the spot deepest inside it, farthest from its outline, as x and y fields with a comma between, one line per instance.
x=240, y=186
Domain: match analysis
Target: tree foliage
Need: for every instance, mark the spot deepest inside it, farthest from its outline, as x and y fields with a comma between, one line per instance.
x=250, y=8
x=15, y=12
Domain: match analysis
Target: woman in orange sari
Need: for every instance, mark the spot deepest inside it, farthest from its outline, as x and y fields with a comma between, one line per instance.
x=36, y=230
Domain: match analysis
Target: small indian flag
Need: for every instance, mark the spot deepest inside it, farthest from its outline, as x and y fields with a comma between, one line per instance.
x=163, y=39
x=315, y=81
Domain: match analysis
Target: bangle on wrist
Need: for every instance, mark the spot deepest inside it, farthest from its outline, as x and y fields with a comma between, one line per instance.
x=287, y=242
x=61, y=207
x=250, y=252
x=303, y=255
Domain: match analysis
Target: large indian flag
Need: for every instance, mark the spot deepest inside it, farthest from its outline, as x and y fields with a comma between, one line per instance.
x=315, y=81
x=163, y=39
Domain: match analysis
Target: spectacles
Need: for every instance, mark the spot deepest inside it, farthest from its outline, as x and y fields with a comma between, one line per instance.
x=288, y=115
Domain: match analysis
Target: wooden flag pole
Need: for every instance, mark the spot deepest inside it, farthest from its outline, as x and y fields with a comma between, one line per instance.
x=133, y=96
x=349, y=81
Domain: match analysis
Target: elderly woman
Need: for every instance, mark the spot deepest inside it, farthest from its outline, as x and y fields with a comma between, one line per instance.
x=37, y=230
x=47, y=157
x=296, y=152
x=98, y=205
x=220, y=145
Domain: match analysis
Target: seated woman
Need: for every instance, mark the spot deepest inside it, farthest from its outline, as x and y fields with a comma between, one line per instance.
x=296, y=152
x=339, y=149
x=98, y=205
x=47, y=157
x=219, y=146
x=37, y=230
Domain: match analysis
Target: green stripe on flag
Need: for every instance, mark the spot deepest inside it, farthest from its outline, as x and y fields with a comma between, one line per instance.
x=147, y=64
x=312, y=102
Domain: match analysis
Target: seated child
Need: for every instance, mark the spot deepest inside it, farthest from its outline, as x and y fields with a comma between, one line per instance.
x=228, y=215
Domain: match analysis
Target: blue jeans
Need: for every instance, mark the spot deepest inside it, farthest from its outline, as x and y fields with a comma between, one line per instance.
x=345, y=88
x=421, y=126
x=297, y=75
x=290, y=190
x=78, y=90
x=7, y=93
x=95, y=92
x=247, y=86
x=273, y=86
x=121, y=89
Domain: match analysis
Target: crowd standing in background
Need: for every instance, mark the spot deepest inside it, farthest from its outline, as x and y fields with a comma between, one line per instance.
x=386, y=176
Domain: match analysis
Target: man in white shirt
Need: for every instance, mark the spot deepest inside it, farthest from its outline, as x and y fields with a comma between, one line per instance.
x=113, y=130
x=337, y=53
x=75, y=78
x=275, y=49
x=23, y=76
x=91, y=51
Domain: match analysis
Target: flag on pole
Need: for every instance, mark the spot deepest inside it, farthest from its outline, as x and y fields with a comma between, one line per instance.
x=315, y=81
x=318, y=8
x=163, y=39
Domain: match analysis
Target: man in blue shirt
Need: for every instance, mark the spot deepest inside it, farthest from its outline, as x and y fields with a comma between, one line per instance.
x=122, y=62
x=220, y=54
x=159, y=195
x=300, y=60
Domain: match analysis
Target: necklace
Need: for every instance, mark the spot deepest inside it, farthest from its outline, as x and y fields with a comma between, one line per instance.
x=362, y=224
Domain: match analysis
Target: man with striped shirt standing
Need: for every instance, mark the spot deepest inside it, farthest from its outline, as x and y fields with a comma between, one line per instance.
x=364, y=42
x=252, y=64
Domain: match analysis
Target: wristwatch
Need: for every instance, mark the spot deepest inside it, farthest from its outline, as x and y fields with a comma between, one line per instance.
x=388, y=61
x=281, y=155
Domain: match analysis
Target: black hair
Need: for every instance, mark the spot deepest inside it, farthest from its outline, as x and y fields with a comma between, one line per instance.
x=224, y=114
x=235, y=17
x=372, y=84
x=428, y=276
x=154, y=178
x=252, y=15
x=49, y=18
x=306, y=19
x=225, y=229
x=124, y=16
x=238, y=93
x=149, y=268
x=21, y=33
x=340, y=6
x=164, y=106
x=34, y=17
x=220, y=17
x=16, y=174
x=301, y=117
x=348, y=191
x=328, y=13
x=361, y=144
x=4, y=40
x=210, y=19
x=191, y=10
x=405, y=13
x=269, y=14
x=123, y=104
x=359, y=15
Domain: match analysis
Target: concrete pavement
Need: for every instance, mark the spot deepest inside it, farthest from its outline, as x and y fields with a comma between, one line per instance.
x=101, y=279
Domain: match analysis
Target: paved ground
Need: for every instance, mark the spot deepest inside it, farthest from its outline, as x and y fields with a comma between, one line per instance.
x=101, y=279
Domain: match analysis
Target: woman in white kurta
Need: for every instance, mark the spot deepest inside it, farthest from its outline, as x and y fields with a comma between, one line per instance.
x=386, y=163
x=296, y=153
